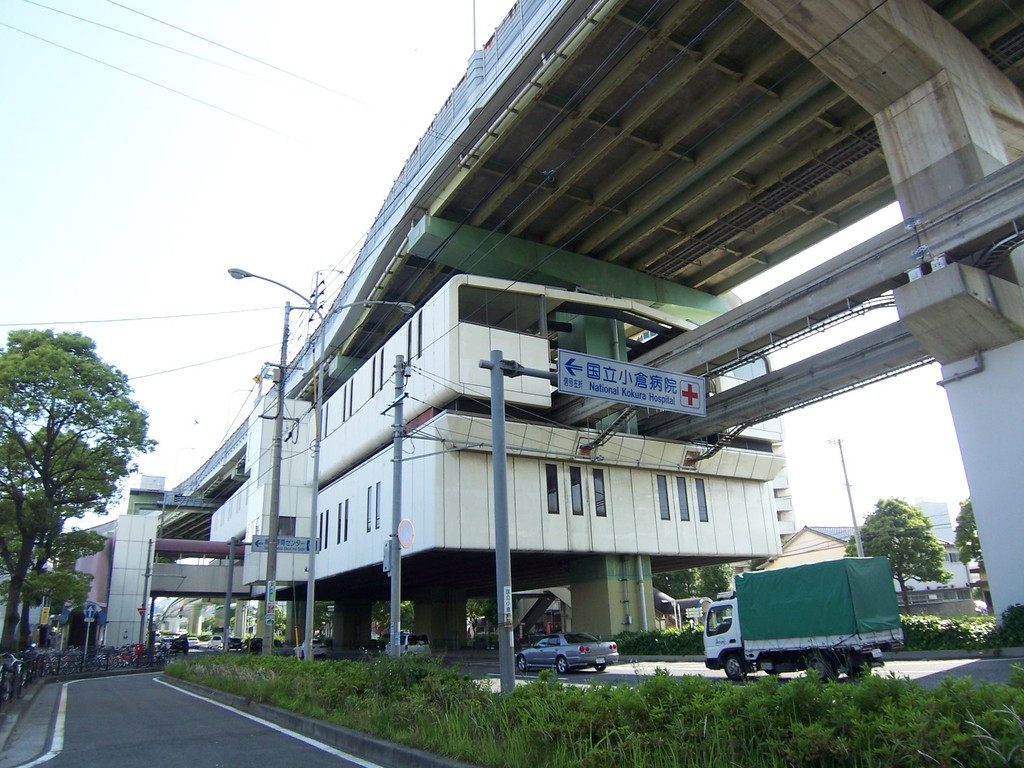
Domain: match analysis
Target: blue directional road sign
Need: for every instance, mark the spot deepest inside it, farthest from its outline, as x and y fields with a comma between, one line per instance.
x=640, y=385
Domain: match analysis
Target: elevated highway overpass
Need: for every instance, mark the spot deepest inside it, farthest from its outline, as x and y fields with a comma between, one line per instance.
x=669, y=151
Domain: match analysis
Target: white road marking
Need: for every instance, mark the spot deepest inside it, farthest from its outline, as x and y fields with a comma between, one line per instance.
x=274, y=727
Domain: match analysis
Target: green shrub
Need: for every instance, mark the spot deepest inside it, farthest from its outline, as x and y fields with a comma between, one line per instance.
x=938, y=633
x=660, y=721
x=1011, y=630
x=669, y=642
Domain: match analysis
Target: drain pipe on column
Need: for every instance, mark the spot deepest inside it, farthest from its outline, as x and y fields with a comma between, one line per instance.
x=640, y=589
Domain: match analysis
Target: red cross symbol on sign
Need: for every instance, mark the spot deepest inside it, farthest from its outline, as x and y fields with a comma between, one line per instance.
x=690, y=394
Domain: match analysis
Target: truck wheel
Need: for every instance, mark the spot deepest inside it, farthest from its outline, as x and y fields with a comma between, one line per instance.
x=858, y=671
x=562, y=665
x=821, y=666
x=735, y=668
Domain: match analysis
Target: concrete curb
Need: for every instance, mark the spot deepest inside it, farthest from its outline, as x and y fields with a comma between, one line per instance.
x=353, y=742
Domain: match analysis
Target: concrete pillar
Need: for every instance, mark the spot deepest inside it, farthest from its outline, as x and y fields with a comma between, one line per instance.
x=946, y=116
x=441, y=614
x=606, y=596
x=973, y=323
x=352, y=625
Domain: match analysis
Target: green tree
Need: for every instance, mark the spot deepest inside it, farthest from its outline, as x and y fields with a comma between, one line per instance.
x=54, y=578
x=381, y=614
x=482, y=608
x=903, y=533
x=69, y=432
x=967, y=540
x=969, y=544
x=695, y=582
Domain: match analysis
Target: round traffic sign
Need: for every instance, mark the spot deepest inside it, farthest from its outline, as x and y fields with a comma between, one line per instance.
x=406, y=533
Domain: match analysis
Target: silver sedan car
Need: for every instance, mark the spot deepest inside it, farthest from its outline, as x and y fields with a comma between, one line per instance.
x=566, y=651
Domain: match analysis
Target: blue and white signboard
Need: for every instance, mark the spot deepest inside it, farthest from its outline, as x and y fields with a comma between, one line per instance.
x=286, y=545
x=607, y=379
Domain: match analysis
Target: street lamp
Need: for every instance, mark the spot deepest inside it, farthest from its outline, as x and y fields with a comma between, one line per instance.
x=275, y=477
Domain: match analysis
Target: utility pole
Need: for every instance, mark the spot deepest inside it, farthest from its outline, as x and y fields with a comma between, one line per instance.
x=849, y=497
x=394, y=547
x=499, y=369
x=275, y=494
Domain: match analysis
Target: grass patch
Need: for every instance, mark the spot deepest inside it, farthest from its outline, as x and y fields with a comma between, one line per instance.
x=661, y=721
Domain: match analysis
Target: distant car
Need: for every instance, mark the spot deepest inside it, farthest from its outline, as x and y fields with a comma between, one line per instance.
x=179, y=644
x=415, y=643
x=319, y=650
x=216, y=643
x=566, y=651
x=193, y=642
x=254, y=645
x=236, y=644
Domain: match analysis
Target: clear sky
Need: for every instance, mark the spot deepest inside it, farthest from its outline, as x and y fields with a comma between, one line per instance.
x=147, y=147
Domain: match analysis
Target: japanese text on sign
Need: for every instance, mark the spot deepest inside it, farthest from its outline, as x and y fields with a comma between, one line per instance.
x=608, y=379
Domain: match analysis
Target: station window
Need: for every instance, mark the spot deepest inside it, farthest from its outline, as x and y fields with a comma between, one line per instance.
x=369, y=509
x=702, y=500
x=376, y=508
x=551, y=478
x=342, y=522
x=663, y=508
x=576, y=489
x=319, y=533
x=327, y=529
x=600, y=505
x=684, y=502
x=508, y=310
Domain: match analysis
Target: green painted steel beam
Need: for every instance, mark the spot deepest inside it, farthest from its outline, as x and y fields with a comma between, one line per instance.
x=481, y=252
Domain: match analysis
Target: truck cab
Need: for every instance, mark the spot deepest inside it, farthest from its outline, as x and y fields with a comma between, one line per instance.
x=723, y=643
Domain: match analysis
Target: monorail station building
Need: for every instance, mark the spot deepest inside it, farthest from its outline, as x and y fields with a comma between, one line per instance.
x=596, y=185
x=592, y=508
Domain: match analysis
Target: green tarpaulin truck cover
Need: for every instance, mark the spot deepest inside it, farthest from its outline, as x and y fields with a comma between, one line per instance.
x=851, y=596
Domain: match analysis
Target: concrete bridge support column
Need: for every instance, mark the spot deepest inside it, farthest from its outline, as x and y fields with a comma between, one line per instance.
x=973, y=323
x=352, y=625
x=946, y=118
x=607, y=597
x=441, y=614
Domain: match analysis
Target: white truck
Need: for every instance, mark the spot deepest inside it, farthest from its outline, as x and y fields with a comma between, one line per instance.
x=832, y=617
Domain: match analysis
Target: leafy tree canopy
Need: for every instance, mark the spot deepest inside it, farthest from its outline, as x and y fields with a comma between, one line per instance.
x=695, y=582
x=69, y=432
x=967, y=540
x=903, y=533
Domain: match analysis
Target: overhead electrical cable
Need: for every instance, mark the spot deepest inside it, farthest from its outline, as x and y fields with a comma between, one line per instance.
x=137, y=37
x=151, y=82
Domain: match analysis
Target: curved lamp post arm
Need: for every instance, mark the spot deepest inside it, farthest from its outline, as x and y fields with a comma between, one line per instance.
x=318, y=390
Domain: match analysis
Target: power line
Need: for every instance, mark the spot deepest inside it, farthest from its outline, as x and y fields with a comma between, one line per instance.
x=151, y=82
x=205, y=362
x=238, y=53
x=135, y=319
x=137, y=37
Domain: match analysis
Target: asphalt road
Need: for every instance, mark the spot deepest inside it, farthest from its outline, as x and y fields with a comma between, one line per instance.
x=129, y=721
